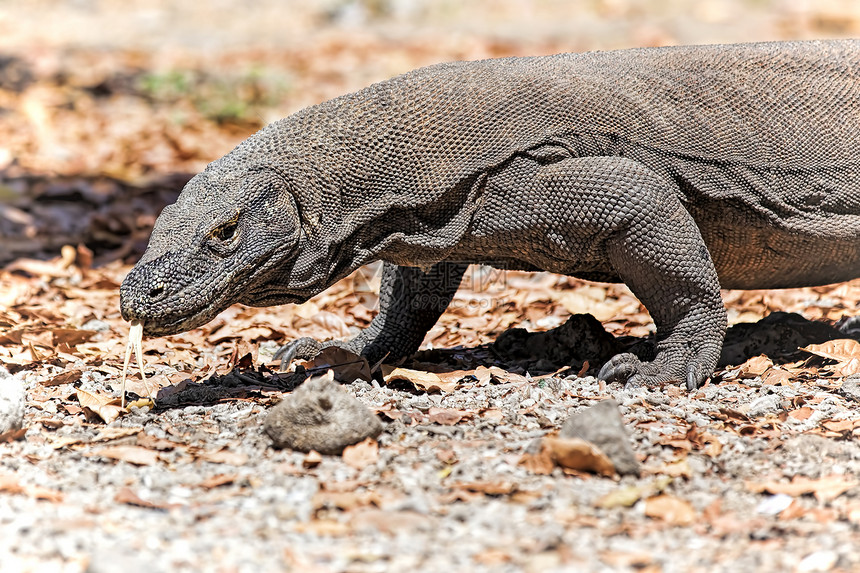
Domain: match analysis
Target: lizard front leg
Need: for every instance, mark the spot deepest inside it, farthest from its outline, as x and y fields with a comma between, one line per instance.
x=411, y=300
x=619, y=210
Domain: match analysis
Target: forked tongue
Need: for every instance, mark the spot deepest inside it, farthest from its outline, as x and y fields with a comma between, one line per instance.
x=135, y=336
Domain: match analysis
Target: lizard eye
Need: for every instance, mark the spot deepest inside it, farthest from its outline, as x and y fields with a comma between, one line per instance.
x=225, y=232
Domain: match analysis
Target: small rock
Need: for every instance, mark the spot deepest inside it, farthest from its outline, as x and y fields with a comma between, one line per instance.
x=12, y=399
x=851, y=387
x=320, y=415
x=768, y=404
x=818, y=561
x=603, y=426
x=774, y=504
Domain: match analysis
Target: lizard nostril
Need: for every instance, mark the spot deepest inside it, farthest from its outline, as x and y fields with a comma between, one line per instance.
x=156, y=292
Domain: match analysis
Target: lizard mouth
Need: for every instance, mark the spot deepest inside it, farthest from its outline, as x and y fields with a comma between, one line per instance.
x=177, y=325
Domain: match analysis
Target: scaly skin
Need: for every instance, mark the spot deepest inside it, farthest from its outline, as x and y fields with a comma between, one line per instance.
x=674, y=170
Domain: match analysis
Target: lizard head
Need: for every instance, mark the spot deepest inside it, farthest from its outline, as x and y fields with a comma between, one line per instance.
x=228, y=238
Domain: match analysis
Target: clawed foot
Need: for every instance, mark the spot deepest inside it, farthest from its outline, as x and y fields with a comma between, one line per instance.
x=627, y=368
x=302, y=348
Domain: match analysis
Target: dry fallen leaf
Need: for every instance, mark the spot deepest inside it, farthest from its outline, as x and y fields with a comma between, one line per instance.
x=488, y=487
x=824, y=489
x=347, y=366
x=127, y=496
x=218, y=480
x=312, y=459
x=670, y=509
x=132, y=454
x=10, y=484
x=108, y=434
x=99, y=404
x=445, y=416
x=427, y=381
x=841, y=350
x=67, y=377
x=577, y=454
x=224, y=457
x=362, y=454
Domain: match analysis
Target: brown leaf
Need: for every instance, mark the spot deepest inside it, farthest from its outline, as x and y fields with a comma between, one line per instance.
x=841, y=350
x=67, y=377
x=577, y=454
x=801, y=413
x=540, y=463
x=427, y=381
x=840, y=425
x=13, y=435
x=488, y=487
x=131, y=454
x=671, y=509
x=218, y=480
x=847, y=368
x=446, y=416
x=101, y=405
x=312, y=459
x=755, y=366
x=71, y=336
x=362, y=454
x=824, y=489
x=347, y=366
x=109, y=434
x=127, y=496
x=224, y=457
x=678, y=468
x=776, y=377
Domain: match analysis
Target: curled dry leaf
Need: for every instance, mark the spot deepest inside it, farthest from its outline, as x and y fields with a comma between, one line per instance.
x=101, y=405
x=841, y=350
x=577, y=454
x=427, y=381
x=347, y=366
x=755, y=366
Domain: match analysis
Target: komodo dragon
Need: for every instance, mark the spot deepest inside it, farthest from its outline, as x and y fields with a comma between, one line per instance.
x=675, y=170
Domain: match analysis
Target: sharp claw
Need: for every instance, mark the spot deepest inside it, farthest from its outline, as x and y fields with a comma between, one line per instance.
x=633, y=383
x=692, y=383
x=286, y=354
x=605, y=372
x=617, y=371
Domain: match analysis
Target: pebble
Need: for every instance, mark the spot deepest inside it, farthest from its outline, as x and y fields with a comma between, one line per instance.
x=12, y=401
x=603, y=426
x=320, y=415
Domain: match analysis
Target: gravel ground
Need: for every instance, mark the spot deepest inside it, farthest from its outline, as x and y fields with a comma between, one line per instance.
x=438, y=497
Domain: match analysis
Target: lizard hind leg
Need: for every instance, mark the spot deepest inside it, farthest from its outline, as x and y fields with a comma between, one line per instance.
x=631, y=217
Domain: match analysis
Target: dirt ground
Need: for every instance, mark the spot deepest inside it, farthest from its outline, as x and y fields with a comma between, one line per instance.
x=108, y=107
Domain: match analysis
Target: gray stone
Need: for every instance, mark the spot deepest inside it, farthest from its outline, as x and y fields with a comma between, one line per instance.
x=12, y=401
x=768, y=404
x=320, y=415
x=851, y=387
x=603, y=426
